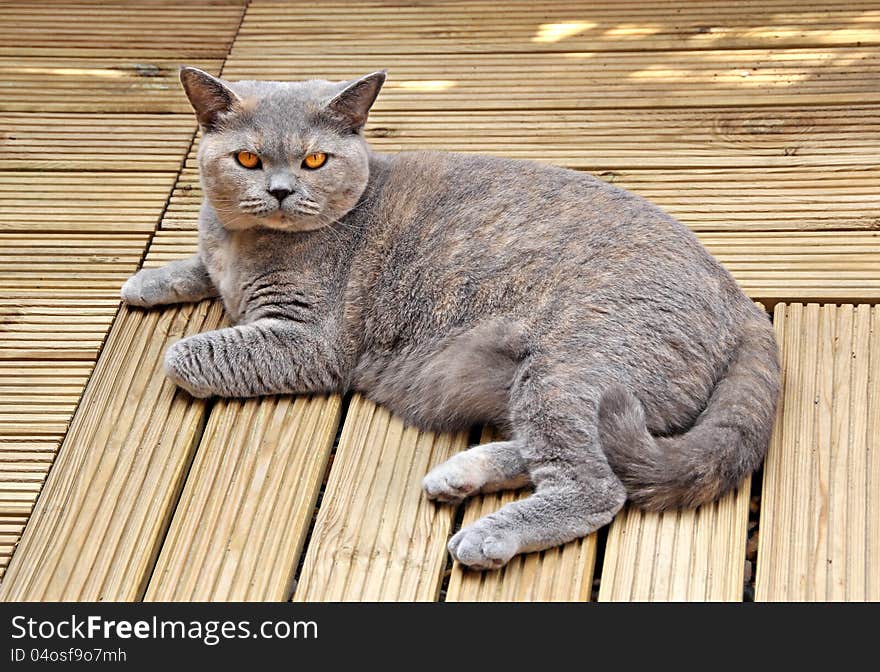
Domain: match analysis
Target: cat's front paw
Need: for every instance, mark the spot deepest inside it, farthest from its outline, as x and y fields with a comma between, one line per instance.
x=487, y=544
x=144, y=289
x=184, y=368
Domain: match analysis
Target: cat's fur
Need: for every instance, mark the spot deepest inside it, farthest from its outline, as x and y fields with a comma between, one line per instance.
x=619, y=356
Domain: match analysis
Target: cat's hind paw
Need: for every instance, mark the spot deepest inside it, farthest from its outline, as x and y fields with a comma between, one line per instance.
x=484, y=545
x=452, y=480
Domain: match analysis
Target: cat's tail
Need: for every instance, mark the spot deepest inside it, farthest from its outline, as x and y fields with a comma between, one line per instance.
x=726, y=443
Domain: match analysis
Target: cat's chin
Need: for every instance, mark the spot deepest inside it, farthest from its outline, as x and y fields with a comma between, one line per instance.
x=282, y=222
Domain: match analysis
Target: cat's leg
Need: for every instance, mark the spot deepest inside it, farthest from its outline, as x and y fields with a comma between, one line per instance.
x=182, y=281
x=267, y=356
x=486, y=468
x=554, y=415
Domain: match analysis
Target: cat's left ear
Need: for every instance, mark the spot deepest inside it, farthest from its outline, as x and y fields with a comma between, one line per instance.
x=353, y=103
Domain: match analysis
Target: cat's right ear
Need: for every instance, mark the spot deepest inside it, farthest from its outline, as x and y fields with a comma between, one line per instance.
x=209, y=97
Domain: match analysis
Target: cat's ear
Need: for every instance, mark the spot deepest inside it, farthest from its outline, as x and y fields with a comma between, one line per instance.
x=209, y=97
x=353, y=103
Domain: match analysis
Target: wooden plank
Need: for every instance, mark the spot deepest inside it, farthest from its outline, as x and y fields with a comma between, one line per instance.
x=97, y=527
x=820, y=502
x=60, y=292
x=588, y=80
x=242, y=519
x=690, y=555
x=186, y=199
x=814, y=266
x=136, y=31
x=440, y=28
x=91, y=142
x=740, y=137
x=563, y=574
x=105, y=84
x=32, y=202
x=377, y=537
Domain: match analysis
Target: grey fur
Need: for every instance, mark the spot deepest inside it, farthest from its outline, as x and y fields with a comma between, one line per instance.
x=616, y=353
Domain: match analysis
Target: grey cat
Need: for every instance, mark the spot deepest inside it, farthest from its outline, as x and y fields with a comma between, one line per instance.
x=619, y=357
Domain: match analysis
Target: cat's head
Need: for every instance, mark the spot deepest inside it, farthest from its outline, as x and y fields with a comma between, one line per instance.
x=282, y=155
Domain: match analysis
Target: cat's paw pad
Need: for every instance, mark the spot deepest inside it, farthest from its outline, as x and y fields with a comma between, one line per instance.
x=484, y=545
x=182, y=368
x=452, y=481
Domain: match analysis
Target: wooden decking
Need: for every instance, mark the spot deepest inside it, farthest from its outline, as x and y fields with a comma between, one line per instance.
x=756, y=123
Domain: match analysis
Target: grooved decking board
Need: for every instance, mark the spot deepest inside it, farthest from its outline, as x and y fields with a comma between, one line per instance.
x=83, y=202
x=238, y=530
x=91, y=142
x=827, y=266
x=770, y=267
x=37, y=398
x=691, y=555
x=377, y=537
x=186, y=199
x=739, y=137
x=100, y=84
x=97, y=526
x=59, y=292
x=439, y=28
x=141, y=30
x=820, y=503
x=562, y=574
x=588, y=80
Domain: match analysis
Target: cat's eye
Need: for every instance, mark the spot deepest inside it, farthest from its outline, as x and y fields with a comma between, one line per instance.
x=315, y=160
x=247, y=159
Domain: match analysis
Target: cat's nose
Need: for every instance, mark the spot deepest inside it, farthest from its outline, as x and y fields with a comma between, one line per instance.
x=280, y=194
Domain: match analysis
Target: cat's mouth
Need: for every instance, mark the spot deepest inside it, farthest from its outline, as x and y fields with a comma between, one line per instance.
x=282, y=220
x=303, y=214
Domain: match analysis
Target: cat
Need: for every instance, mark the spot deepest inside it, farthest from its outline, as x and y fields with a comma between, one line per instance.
x=621, y=360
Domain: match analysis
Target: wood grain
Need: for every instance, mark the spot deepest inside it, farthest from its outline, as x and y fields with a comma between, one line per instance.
x=553, y=25
x=587, y=80
x=691, y=555
x=242, y=519
x=96, y=529
x=94, y=142
x=377, y=537
x=820, y=506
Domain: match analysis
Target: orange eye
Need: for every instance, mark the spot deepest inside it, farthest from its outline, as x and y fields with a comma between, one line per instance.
x=248, y=159
x=315, y=160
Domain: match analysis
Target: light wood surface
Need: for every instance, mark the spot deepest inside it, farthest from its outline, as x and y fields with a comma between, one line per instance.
x=243, y=516
x=96, y=529
x=820, y=503
x=695, y=555
x=523, y=26
x=93, y=142
x=377, y=537
x=588, y=80
x=86, y=168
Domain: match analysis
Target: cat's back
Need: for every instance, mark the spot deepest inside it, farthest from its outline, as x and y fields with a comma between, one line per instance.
x=471, y=203
x=550, y=201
